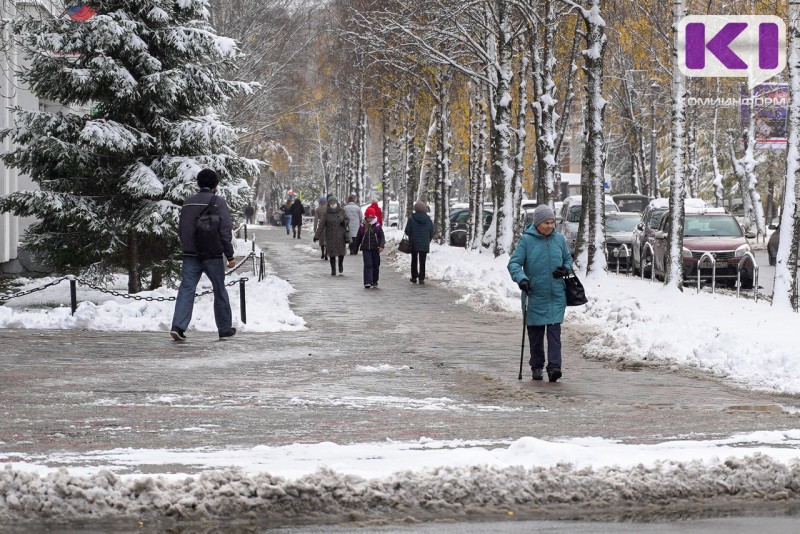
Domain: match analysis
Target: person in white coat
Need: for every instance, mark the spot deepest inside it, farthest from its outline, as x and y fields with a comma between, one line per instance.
x=353, y=213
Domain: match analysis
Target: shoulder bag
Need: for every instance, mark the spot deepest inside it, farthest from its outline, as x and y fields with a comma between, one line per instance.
x=405, y=245
x=576, y=296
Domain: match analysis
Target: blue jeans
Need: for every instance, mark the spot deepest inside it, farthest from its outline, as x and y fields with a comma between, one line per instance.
x=536, y=336
x=192, y=269
x=287, y=220
x=372, y=266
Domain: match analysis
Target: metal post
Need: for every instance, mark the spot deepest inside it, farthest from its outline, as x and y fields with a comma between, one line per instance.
x=261, y=268
x=242, y=306
x=245, y=231
x=73, y=295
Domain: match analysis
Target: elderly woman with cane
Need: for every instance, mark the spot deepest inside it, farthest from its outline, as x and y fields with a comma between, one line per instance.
x=538, y=265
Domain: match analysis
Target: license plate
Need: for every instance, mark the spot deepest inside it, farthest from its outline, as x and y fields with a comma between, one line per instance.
x=722, y=264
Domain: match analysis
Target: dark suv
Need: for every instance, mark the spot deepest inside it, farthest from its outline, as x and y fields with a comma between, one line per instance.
x=714, y=232
x=459, y=219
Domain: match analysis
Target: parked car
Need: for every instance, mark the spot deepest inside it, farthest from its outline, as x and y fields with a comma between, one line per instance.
x=459, y=220
x=570, y=216
x=631, y=202
x=713, y=231
x=644, y=232
x=619, y=231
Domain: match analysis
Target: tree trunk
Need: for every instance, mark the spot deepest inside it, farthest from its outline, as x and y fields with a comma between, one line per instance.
x=594, y=155
x=785, y=288
x=478, y=186
x=674, y=260
x=441, y=198
x=134, y=280
x=719, y=189
x=502, y=173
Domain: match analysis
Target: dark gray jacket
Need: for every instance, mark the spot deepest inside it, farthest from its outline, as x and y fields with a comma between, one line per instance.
x=193, y=206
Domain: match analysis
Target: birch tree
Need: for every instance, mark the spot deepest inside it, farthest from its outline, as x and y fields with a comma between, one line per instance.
x=674, y=260
x=785, y=288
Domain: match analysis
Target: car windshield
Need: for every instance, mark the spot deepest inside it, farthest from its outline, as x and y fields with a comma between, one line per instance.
x=709, y=225
x=632, y=204
x=574, y=214
x=621, y=224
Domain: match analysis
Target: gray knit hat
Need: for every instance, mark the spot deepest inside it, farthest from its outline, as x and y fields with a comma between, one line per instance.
x=541, y=214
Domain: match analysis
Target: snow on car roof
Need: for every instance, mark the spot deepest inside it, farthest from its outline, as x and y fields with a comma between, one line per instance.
x=689, y=203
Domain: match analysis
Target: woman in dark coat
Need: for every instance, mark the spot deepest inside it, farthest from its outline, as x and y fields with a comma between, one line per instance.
x=419, y=230
x=333, y=228
x=297, y=212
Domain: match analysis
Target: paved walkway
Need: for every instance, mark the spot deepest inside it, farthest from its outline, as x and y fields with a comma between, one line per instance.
x=452, y=373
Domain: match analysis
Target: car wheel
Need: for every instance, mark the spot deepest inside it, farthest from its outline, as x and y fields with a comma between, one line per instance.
x=747, y=282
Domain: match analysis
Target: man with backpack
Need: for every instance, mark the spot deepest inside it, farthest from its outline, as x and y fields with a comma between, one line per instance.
x=205, y=233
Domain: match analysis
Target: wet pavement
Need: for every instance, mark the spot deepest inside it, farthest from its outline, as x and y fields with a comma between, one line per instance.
x=452, y=375
x=74, y=390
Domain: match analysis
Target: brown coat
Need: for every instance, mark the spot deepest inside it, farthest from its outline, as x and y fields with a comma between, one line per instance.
x=334, y=232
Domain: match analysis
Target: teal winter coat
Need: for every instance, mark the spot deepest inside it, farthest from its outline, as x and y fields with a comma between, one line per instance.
x=535, y=258
x=419, y=230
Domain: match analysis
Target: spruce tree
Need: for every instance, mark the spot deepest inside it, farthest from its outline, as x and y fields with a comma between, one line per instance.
x=144, y=81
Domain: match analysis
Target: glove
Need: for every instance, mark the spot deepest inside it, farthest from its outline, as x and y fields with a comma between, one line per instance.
x=561, y=272
x=525, y=286
x=316, y=239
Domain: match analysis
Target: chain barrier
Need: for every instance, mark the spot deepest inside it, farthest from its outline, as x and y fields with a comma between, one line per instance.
x=5, y=297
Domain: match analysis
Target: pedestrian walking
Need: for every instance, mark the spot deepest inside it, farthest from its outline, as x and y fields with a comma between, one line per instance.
x=334, y=229
x=297, y=211
x=538, y=265
x=353, y=212
x=371, y=241
x=204, y=252
x=378, y=212
x=248, y=214
x=287, y=214
x=318, y=214
x=419, y=230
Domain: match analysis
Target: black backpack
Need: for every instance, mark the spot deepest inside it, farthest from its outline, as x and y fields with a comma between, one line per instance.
x=206, y=233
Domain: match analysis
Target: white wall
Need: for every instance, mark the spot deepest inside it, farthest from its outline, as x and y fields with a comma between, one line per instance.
x=13, y=94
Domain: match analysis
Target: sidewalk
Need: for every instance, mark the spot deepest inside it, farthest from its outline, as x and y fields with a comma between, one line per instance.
x=401, y=362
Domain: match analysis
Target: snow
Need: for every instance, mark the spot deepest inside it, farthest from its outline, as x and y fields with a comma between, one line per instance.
x=747, y=343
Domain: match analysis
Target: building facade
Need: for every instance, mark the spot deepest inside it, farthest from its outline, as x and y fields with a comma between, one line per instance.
x=14, y=94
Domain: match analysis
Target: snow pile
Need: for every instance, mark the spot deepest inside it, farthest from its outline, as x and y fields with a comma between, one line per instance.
x=445, y=491
x=267, y=305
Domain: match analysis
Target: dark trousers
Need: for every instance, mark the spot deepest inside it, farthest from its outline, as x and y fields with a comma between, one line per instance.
x=418, y=265
x=333, y=264
x=372, y=266
x=536, y=335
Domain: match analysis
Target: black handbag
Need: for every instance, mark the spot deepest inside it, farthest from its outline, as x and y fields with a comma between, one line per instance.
x=576, y=296
x=405, y=245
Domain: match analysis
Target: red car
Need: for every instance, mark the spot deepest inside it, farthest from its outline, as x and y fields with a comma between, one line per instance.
x=712, y=231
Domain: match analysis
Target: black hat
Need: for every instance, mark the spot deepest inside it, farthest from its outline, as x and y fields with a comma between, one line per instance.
x=207, y=178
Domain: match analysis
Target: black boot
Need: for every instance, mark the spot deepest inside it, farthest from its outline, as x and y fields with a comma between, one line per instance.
x=333, y=266
x=537, y=374
x=553, y=374
x=341, y=264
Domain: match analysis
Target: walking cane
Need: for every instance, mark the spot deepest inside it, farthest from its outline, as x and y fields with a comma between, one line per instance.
x=524, y=328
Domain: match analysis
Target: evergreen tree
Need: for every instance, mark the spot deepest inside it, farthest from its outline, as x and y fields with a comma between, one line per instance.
x=144, y=81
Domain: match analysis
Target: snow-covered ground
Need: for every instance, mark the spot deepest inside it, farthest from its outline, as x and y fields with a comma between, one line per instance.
x=745, y=342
